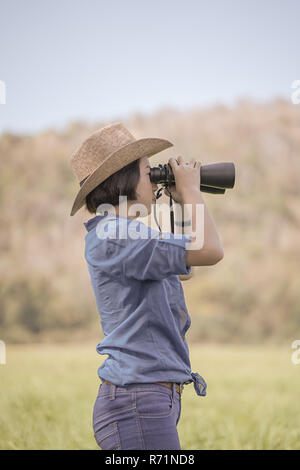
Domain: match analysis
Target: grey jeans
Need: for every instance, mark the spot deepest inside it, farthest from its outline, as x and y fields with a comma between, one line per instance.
x=138, y=416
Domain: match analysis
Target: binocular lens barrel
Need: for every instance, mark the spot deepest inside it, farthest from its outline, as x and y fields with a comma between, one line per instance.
x=214, y=178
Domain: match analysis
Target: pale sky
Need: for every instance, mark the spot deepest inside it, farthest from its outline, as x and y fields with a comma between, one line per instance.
x=94, y=60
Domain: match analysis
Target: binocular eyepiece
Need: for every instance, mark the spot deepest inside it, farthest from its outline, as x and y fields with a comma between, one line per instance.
x=214, y=178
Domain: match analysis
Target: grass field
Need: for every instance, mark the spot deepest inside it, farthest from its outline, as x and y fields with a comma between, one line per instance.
x=252, y=402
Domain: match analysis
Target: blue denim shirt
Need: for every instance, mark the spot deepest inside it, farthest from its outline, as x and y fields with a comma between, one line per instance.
x=134, y=275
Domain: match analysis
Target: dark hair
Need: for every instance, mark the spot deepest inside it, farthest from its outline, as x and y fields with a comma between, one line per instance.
x=123, y=182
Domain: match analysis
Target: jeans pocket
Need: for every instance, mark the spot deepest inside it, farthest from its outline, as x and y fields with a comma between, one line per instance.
x=108, y=437
x=106, y=408
x=154, y=404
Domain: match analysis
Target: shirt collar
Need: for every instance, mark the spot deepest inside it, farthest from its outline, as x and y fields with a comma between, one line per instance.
x=90, y=224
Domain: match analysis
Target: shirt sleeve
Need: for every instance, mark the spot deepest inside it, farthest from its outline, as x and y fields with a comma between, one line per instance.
x=153, y=255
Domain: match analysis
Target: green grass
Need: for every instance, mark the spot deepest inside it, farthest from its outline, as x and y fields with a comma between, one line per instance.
x=252, y=402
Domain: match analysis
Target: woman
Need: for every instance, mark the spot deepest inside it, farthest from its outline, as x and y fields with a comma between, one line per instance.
x=134, y=274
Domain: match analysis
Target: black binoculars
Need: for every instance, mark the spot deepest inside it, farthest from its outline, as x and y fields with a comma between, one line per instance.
x=214, y=178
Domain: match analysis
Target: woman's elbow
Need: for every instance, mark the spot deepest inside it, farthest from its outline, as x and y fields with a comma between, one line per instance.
x=217, y=256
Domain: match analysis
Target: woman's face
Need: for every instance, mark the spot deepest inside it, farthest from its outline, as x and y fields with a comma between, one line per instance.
x=145, y=189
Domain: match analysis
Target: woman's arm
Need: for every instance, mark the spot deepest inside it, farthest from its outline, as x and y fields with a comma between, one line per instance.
x=205, y=248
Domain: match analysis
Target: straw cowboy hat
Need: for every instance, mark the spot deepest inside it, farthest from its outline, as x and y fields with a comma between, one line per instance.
x=105, y=152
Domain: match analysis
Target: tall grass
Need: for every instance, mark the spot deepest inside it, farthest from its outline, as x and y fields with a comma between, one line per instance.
x=48, y=392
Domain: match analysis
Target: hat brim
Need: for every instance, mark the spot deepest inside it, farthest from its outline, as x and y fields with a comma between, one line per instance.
x=114, y=162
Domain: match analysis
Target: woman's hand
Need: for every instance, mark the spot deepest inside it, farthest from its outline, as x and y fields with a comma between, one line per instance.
x=187, y=176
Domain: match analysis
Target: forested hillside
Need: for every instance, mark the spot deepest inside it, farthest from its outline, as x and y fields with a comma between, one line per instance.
x=252, y=295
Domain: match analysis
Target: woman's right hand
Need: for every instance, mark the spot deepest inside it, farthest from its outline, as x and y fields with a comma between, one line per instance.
x=186, y=174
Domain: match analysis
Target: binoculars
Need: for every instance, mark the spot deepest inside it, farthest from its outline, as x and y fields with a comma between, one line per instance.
x=214, y=178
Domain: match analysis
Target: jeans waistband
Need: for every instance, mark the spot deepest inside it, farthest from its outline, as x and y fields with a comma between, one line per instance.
x=179, y=387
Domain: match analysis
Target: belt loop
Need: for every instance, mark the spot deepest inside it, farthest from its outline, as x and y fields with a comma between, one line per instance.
x=173, y=391
x=113, y=392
